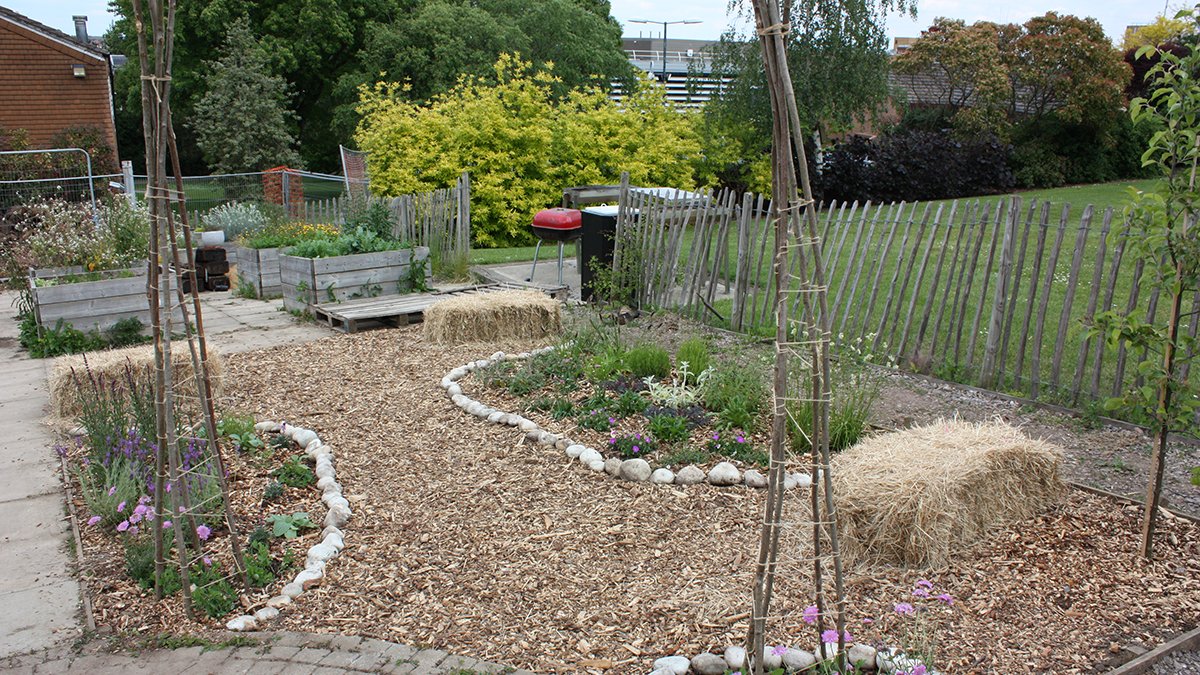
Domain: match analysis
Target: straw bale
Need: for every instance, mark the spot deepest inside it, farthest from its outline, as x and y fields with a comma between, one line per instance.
x=492, y=317
x=70, y=375
x=915, y=497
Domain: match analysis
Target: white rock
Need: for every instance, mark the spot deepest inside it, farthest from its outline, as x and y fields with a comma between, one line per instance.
x=331, y=530
x=735, y=657
x=279, y=601
x=324, y=471
x=309, y=578
x=575, y=450
x=514, y=420
x=319, y=552
x=612, y=466
x=596, y=466
x=662, y=476
x=689, y=475
x=266, y=614
x=862, y=656
x=262, y=427
x=304, y=436
x=891, y=661
x=457, y=374
x=589, y=455
x=496, y=416
x=755, y=479
x=724, y=473
x=337, y=517
x=446, y=382
x=547, y=438
x=662, y=671
x=831, y=650
x=636, y=469
x=292, y=590
x=481, y=363
x=798, y=659
x=496, y=357
x=314, y=445
x=326, y=482
x=771, y=660
x=708, y=664
x=527, y=426
x=243, y=622
x=674, y=664
x=563, y=443
x=334, y=540
x=459, y=399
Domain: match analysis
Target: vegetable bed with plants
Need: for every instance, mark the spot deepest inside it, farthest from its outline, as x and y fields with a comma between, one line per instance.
x=272, y=493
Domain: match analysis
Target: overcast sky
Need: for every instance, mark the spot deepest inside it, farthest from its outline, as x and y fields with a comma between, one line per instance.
x=1113, y=14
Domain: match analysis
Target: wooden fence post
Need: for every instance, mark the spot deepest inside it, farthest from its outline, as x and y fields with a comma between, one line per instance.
x=996, y=323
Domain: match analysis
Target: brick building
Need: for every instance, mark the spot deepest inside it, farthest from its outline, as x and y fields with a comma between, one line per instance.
x=51, y=81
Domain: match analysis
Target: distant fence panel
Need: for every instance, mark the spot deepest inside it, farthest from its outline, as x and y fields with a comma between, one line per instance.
x=58, y=173
x=997, y=293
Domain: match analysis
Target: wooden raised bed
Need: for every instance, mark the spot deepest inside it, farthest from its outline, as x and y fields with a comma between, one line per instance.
x=259, y=267
x=308, y=282
x=92, y=305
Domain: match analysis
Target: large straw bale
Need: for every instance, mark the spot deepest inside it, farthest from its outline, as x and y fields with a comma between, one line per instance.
x=71, y=376
x=914, y=497
x=491, y=317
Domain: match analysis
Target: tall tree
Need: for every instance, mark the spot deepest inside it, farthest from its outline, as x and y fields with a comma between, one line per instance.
x=242, y=121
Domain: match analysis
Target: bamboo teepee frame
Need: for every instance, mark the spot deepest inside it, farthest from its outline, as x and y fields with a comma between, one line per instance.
x=804, y=339
x=167, y=263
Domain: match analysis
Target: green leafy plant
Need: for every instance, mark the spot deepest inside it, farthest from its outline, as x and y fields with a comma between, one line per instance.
x=259, y=535
x=1196, y=476
x=738, y=393
x=235, y=219
x=213, y=594
x=294, y=473
x=694, y=352
x=632, y=446
x=648, y=360
x=273, y=491
x=669, y=428
x=735, y=446
x=629, y=403
x=686, y=456
x=239, y=429
x=288, y=527
x=596, y=419
x=261, y=568
x=139, y=562
x=245, y=289
x=678, y=393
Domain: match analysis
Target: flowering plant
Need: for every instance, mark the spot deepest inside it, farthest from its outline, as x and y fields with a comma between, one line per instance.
x=631, y=446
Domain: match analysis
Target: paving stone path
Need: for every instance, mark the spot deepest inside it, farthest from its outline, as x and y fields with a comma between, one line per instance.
x=41, y=624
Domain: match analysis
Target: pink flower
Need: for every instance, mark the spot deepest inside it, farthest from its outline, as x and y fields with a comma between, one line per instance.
x=921, y=592
x=93, y=520
x=904, y=608
x=919, y=669
x=124, y=525
x=636, y=449
x=946, y=598
x=831, y=636
x=120, y=507
x=112, y=490
x=740, y=439
x=133, y=529
x=207, y=561
x=716, y=437
x=924, y=583
x=143, y=500
x=135, y=517
x=167, y=524
x=203, y=532
x=779, y=650
x=868, y=621
x=810, y=614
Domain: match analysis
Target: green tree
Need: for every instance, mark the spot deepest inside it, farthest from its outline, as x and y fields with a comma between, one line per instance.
x=242, y=122
x=521, y=143
x=1161, y=233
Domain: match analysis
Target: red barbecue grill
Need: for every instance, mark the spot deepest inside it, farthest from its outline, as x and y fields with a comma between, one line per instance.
x=557, y=224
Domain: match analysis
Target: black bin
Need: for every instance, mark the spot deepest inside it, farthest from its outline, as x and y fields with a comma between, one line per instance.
x=596, y=245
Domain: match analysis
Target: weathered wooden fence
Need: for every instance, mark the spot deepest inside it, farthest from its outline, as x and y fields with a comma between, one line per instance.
x=999, y=293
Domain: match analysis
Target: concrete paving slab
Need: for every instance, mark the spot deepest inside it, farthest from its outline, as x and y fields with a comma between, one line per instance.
x=32, y=563
x=39, y=618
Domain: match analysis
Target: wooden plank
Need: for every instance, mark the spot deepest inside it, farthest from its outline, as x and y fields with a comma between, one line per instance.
x=1014, y=295
x=862, y=255
x=933, y=286
x=897, y=350
x=1109, y=292
x=1023, y=335
x=361, y=261
x=902, y=346
x=1093, y=299
x=743, y=263
x=997, y=219
x=879, y=265
x=1069, y=300
x=87, y=290
x=991, y=348
x=951, y=282
x=1035, y=359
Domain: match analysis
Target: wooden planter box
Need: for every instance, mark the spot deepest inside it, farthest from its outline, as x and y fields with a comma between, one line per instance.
x=93, y=305
x=318, y=281
x=259, y=267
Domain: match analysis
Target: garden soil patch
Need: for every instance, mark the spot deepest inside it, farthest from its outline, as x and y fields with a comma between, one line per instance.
x=466, y=538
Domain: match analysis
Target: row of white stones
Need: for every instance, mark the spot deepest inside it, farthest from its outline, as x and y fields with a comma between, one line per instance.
x=864, y=658
x=638, y=470
x=332, y=542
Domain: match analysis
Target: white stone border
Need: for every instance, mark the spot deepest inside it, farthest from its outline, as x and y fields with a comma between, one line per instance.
x=884, y=660
x=637, y=470
x=332, y=538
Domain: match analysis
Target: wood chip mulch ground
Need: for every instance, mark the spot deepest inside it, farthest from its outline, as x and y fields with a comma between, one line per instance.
x=467, y=539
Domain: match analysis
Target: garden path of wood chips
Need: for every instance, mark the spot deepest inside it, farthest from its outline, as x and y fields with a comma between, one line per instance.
x=467, y=539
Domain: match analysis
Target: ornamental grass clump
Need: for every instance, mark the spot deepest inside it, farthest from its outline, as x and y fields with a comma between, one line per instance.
x=648, y=360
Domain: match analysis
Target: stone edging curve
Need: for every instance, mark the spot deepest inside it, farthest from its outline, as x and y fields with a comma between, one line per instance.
x=332, y=542
x=724, y=474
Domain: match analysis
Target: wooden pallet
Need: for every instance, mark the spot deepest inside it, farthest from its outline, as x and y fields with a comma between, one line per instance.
x=392, y=310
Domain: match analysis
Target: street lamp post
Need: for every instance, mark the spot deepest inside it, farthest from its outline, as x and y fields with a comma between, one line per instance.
x=664, y=25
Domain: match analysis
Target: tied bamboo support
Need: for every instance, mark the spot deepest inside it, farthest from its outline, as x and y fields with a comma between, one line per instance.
x=796, y=227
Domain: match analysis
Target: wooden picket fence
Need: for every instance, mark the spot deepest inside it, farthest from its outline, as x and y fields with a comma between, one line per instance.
x=997, y=293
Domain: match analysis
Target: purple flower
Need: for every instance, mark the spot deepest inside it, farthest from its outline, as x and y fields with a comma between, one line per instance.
x=868, y=621
x=112, y=490
x=904, y=608
x=203, y=532
x=133, y=529
x=167, y=524
x=921, y=592
x=716, y=437
x=612, y=441
x=636, y=449
x=924, y=583
x=93, y=520
x=124, y=525
x=740, y=439
x=61, y=450
x=120, y=507
x=612, y=420
x=831, y=636
x=207, y=561
x=143, y=500
x=779, y=650
x=946, y=598
x=810, y=614
x=135, y=517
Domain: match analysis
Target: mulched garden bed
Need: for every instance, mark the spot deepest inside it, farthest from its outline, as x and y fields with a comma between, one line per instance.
x=467, y=538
